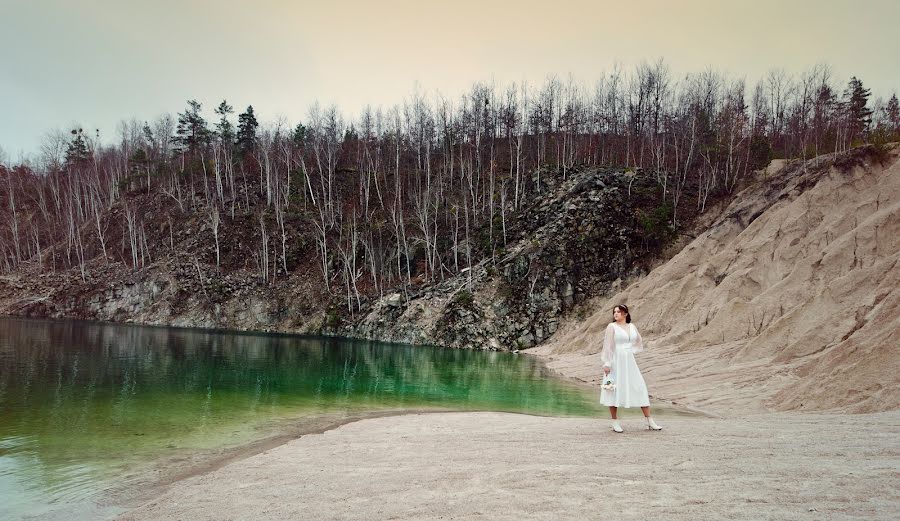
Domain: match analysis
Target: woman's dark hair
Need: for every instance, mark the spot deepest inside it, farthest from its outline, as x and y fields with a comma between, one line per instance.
x=624, y=309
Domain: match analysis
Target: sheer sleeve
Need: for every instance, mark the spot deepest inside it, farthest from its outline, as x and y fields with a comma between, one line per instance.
x=638, y=345
x=609, y=346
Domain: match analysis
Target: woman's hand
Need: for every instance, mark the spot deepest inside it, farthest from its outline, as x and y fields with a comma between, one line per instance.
x=605, y=369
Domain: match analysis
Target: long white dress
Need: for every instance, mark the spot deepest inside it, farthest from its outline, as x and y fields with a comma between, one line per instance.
x=619, y=346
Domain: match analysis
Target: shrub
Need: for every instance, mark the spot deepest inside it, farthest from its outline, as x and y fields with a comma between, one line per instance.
x=332, y=319
x=657, y=225
x=464, y=298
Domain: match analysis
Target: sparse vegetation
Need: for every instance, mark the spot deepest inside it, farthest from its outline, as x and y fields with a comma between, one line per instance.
x=409, y=196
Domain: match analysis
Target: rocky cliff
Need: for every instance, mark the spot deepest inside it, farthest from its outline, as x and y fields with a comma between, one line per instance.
x=592, y=229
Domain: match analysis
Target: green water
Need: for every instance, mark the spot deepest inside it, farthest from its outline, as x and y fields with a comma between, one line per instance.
x=86, y=407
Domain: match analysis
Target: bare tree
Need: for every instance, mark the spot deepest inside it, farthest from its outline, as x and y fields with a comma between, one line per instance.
x=213, y=214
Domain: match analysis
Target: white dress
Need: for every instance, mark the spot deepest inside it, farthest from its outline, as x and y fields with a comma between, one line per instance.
x=619, y=346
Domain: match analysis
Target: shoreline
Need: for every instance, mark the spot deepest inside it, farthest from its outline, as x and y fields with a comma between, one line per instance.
x=477, y=465
x=172, y=469
x=155, y=487
x=159, y=477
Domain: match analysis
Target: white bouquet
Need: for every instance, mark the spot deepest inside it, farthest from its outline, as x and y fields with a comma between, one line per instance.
x=608, y=385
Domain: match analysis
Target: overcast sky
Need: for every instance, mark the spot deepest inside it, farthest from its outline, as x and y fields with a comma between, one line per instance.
x=97, y=62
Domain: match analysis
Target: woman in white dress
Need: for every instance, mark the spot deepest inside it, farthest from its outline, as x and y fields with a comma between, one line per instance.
x=620, y=343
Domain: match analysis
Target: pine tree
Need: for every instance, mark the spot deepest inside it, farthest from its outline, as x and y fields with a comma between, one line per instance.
x=859, y=115
x=224, y=128
x=823, y=110
x=298, y=135
x=148, y=134
x=192, y=131
x=892, y=115
x=77, y=152
x=246, y=136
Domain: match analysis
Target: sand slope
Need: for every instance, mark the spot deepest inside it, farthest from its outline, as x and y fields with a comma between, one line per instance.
x=790, y=300
x=507, y=466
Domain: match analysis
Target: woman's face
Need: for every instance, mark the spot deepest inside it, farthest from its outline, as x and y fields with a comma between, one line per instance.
x=618, y=314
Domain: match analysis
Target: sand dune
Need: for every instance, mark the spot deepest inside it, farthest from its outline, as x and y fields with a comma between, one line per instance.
x=790, y=300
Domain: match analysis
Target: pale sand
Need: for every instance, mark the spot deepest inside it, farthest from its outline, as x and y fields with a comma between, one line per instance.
x=509, y=466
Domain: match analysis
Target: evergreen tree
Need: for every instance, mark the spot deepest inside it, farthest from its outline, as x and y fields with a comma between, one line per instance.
x=192, y=131
x=77, y=152
x=350, y=134
x=148, y=134
x=824, y=108
x=298, y=135
x=246, y=136
x=859, y=115
x=224, y=128
x=892, y=115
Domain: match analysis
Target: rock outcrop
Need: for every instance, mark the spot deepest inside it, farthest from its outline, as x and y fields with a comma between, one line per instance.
x=569, y=246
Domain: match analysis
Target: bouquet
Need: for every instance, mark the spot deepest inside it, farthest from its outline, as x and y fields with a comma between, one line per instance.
x=608, y=385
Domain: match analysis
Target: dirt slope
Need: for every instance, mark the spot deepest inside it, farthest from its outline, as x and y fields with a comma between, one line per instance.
x=790, y=300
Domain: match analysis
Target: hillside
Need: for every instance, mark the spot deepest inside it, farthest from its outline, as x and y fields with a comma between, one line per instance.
x=592, y=229
x=788, y=301
x=568, y=243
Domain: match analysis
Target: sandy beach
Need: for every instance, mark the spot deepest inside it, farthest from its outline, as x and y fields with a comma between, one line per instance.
x=509, y=466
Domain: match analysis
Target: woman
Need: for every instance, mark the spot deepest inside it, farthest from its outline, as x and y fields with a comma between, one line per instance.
x=620, y=343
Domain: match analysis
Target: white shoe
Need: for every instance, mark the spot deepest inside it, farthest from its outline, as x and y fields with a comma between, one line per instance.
x=616, y=427
x=652, y=425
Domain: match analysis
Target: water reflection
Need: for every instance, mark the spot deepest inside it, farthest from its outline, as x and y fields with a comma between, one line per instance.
x=82, y=403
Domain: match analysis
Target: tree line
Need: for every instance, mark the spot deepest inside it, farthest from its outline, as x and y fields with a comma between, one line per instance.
x=419, y=191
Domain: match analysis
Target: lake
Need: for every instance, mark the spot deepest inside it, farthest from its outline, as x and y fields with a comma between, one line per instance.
x=93, y=416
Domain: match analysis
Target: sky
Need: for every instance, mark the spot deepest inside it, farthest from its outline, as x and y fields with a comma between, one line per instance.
x=95, y=63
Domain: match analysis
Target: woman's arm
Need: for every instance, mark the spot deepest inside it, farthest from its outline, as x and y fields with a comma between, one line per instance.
x=609, y=346
x=638, y=345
